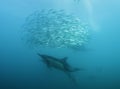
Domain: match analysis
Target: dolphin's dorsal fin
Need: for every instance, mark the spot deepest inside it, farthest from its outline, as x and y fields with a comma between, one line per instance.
x=64, y=60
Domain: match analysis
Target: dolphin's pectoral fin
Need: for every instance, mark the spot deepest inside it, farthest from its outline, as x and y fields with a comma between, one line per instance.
x=48, y=65
x=64, y=60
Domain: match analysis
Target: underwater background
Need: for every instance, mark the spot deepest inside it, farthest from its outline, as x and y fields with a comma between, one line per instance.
x=20, y=66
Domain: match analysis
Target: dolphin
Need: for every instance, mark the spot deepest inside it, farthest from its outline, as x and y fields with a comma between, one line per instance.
x=59, y=64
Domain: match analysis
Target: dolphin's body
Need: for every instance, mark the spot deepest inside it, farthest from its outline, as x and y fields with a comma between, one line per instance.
x=60, y=64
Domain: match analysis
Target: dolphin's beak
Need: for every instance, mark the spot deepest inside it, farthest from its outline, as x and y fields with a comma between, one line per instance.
x=39, y=54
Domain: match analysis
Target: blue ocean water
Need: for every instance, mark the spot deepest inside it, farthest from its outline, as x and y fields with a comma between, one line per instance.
x=21, y=68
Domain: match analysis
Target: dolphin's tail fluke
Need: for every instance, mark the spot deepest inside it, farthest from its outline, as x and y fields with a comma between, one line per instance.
x=76, y=69
x=73, y=79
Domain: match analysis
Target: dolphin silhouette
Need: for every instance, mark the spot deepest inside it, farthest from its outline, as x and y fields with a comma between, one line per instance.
x=59, y=64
